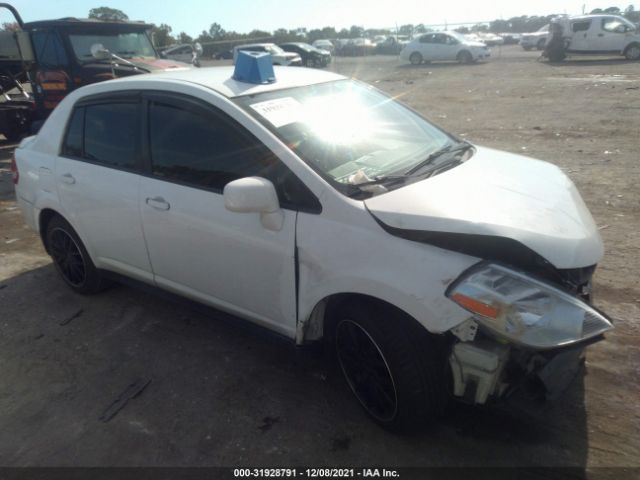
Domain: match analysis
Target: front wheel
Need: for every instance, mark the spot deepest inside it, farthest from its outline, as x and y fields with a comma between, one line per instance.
x=632, y=52
x=310, y=63
x=465, y=57
x=415, y=58
x=392, y=366
x=71, y=258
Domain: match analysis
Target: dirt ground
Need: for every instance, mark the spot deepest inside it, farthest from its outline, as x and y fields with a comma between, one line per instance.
x=223, y=395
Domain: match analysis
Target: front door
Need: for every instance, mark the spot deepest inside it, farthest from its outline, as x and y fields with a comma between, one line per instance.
x=197, y=247
x=612, y=37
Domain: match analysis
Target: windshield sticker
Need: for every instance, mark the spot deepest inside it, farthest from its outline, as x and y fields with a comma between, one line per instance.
x=280, y=112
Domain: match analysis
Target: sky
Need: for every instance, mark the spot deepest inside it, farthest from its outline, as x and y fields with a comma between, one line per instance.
x=193, y=16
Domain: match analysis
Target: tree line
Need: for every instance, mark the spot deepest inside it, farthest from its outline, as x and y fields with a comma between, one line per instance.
x=217, y=38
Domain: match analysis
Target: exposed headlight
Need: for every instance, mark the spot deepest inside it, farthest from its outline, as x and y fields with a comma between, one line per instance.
x=525, y=310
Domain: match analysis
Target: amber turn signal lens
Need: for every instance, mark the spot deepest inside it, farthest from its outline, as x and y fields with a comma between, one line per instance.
x=475, y=306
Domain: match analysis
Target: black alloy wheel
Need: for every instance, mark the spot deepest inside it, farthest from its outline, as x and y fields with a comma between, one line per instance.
x=67, y=257
x=366, y=370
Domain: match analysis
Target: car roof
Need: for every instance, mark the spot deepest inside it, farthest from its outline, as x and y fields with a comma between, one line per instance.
x=254, y=45
x=220, y=79
x=87, y=22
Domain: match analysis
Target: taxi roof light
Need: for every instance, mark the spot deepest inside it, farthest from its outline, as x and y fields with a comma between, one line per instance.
x=254, y=67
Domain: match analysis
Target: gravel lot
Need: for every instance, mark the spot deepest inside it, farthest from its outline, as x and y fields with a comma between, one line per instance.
x=221, y=394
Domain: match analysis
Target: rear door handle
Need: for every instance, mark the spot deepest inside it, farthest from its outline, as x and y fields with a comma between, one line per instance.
x=158, y=203
x=67, y=178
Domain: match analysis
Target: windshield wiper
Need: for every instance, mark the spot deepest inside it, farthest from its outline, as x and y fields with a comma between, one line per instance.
x=450, y=148
x=383, y=180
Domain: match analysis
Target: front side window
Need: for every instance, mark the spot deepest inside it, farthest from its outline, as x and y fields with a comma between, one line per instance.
x=427, y=38
x=201, y=149
x=110, y=134
x=49, y=49
x=615, y=25
x=347, y=131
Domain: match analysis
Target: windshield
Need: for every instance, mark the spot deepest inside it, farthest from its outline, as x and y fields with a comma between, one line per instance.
x=275, y=50
x=347, y=131
x=126, y=45
x=459, y=36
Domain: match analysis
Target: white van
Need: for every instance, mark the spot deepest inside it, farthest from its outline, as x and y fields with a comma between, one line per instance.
x=601, y=34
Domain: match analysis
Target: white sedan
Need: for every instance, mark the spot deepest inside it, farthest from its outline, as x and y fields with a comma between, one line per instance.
x=444, y=46
x=320, y=208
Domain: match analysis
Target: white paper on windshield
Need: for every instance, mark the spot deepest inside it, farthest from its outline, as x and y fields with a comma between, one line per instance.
x=279, y=112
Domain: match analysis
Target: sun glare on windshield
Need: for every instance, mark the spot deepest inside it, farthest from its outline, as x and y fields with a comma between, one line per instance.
x=339, y=119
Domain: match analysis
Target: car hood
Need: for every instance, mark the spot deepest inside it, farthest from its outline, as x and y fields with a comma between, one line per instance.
x=496, y=197
x=158, y=64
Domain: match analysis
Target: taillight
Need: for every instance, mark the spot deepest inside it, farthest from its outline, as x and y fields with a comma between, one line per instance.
x=14, y=170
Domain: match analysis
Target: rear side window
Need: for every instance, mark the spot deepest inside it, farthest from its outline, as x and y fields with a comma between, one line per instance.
x=73, y=142
x=110, y=133
x=581, y=26
x=104, y=133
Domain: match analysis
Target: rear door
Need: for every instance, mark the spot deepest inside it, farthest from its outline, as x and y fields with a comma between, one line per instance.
x=97, y=176
x=428, y=46
x=581, y=32
x=197, y=247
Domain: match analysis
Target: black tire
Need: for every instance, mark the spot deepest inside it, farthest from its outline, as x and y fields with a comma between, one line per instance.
x=71, y=259
x=465, y=57
x=393, y=366
x=541, y=43
x=415, y=58
x=309, y=63
x=632, y=52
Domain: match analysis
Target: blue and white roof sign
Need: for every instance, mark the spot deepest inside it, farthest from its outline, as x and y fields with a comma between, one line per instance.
x=254, y=67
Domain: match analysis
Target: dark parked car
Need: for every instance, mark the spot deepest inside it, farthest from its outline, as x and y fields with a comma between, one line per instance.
x=223, y=55
x=311, y=56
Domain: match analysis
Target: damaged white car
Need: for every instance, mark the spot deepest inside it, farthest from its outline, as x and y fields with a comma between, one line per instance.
x=320, y=208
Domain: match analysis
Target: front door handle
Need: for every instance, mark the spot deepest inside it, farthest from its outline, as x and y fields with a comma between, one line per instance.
x=67, y=178
x=158, y=203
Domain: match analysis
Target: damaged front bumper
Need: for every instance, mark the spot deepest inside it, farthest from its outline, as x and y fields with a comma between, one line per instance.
x=486, y=369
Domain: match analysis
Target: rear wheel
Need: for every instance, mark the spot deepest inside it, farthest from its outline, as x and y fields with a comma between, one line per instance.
x=415, y=58
x=71, y=259
x=465, y=57
x=632, y=52
x=391, y=364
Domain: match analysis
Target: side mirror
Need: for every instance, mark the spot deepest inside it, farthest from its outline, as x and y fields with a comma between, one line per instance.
x=255, y=195
x=99, y=52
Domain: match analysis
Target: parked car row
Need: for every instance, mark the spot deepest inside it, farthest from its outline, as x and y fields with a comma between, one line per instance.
x=288, y=54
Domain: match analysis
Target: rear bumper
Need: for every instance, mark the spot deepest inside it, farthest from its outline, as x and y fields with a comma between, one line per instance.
x=28, y=212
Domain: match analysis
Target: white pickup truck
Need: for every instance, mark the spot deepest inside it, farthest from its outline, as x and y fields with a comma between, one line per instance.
x=601, y=34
